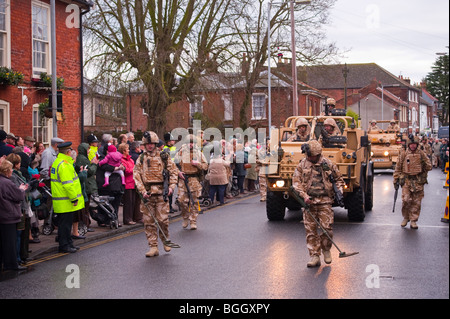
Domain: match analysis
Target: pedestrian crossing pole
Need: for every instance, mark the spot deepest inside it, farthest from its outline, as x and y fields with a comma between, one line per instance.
x=445, y=218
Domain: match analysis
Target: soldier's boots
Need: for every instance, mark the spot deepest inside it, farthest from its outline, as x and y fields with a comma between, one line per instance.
x=327, y=256
x=167, y=248
x=313, y=262
x=152, y=252
x=185, y=222
x=193, y=225
x=404, y=222
x=413, y=225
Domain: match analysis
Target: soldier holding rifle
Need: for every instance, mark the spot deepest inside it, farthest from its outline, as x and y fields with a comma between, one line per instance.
x=411, y=174
x=192, y=164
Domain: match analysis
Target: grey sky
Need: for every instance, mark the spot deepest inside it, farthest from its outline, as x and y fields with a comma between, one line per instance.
x=402, y=36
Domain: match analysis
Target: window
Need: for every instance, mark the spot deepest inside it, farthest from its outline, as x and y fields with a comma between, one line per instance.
x=41, y=38
x=259, y=106
x=4, y=116
x=42, y=127
x=5, y=40
x=196, y=106
x=228, y=107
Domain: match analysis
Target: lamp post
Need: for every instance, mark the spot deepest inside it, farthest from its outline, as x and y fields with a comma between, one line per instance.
x=294, y=64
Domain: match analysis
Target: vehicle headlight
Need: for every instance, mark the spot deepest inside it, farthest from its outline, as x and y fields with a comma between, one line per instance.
x=279, y=183
x=386, y=153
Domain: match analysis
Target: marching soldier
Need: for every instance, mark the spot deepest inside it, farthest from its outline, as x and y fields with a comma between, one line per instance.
x=411, y=174
x=261, y=168
x=148, y=175
x=303, y=131
x=192, y=164
x=312, y=181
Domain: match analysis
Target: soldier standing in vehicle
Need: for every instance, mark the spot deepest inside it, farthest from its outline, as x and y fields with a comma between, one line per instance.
x=311, y=180
x=411, y=174
x=303, y=131
x=373, y=127
x=192, y=165
x=148, y=176
x=393, y=127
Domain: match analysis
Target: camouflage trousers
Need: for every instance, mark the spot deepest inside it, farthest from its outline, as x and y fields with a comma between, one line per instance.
x=411, y=203
x=315, y=242
x=189, y=210
x=160, y=209
x=263, y=187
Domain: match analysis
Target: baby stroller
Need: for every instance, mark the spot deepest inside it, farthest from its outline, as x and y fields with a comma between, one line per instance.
x=204, y=198
x=45, y=212
x=234, y=187
x=102, y=211
x=45, y=209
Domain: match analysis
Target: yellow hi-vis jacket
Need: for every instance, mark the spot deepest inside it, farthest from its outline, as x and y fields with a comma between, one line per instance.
x=66, y=187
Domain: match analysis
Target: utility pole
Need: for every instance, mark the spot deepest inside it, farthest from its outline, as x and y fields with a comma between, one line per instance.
x=53, y=50
x=294, y=64
x=345, y=72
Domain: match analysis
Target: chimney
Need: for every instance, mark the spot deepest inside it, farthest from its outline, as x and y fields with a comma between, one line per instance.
x=245, y=66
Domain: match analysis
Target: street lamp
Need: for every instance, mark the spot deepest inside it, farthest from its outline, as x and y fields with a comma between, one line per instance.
x=294, y=64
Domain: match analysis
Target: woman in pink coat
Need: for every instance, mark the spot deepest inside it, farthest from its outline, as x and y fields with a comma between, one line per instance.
x=131, y=200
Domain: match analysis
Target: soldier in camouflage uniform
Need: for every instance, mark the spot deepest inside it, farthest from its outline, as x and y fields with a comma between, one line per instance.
x=148, y=175
x=191, y=163
x=261, y=168
x=311, y=180
x=411, y=174
x=303, y=131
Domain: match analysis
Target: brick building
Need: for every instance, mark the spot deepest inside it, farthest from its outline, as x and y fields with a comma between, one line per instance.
x=217, y=101
x=330, y=80
x=25, y=47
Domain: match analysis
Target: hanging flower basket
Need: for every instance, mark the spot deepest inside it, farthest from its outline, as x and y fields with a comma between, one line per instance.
x=10, y=77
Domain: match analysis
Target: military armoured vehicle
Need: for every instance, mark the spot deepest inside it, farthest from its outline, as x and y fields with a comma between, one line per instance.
x=385, y=146
x=350, y=152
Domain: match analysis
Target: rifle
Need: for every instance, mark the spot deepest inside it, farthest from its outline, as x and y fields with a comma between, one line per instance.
x=166, y=185
x=337, y=193
x=165, y=173
x=395, y=196
x=191, y=199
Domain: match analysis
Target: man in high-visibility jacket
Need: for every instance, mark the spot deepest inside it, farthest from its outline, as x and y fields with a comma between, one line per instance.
x=67, y=197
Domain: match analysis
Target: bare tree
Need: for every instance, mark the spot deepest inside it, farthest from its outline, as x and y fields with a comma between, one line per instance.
x=169, y=44
x=311, y=45
x=166, y=44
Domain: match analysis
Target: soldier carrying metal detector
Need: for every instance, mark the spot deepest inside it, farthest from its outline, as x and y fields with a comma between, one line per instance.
x=316, y=192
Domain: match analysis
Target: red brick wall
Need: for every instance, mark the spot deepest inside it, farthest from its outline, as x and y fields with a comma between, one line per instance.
x=68, y=67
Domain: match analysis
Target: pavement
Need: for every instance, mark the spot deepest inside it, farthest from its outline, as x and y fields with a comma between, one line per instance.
x=48, y=244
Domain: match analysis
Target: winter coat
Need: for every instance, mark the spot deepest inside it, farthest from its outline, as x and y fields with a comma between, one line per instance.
x=82, y=160
x=112, y=158
x=217, y=171
x=240, y=160
x=129, y=166
x=10, y=198
x=65, y=185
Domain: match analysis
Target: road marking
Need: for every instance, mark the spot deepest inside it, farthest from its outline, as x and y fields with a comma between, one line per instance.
x=124, y=235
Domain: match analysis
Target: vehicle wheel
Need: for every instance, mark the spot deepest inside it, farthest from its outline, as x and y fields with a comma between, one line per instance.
x=82, y=229
x=275, y=206
x=206, y=202
x=368, y=196
x=355, y=205
x=47, y=230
